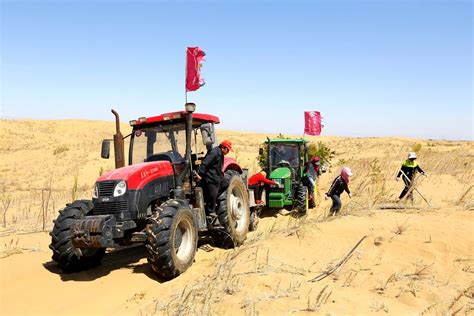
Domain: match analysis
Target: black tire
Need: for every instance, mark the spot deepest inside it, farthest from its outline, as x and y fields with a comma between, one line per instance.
x=302, y=199
x=68, y=257
x=234, y=211
x=171, y=240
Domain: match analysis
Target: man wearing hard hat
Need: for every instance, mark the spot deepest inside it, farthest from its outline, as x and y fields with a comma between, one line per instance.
x=210, y=172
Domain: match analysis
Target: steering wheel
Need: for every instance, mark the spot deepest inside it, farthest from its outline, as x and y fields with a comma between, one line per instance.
x=284, y=163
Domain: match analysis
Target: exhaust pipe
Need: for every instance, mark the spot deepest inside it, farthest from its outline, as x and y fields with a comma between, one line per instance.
x=190, y=108
x=118, y=143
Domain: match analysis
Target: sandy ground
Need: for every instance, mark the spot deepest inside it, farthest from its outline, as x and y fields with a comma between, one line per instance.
x=414, y=260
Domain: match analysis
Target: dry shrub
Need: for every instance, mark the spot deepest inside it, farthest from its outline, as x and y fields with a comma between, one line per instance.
x=6, y=201
x=377, y=306
x=321, y=299
x=60, y=149
x=416, y=147
x=400, y=229
x=10, y=249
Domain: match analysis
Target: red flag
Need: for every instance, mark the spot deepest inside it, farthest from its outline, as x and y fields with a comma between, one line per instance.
x=312, y=123
x=194, y=57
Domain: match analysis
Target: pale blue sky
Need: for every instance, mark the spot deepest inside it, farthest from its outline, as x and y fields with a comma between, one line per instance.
x=373, y=68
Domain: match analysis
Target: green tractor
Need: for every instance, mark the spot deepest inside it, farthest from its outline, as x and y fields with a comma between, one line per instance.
x=286, y=161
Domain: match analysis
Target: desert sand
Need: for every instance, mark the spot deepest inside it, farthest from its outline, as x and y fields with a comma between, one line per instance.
x=415, y=259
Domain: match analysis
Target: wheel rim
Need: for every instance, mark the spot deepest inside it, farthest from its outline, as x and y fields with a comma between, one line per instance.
x=183, y=240
x=238, y=209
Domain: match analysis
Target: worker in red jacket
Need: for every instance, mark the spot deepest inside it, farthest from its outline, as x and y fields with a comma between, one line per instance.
x=257, y=182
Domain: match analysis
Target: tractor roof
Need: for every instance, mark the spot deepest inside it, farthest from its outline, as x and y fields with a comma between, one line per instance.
x=288, y=140
x=176, y=117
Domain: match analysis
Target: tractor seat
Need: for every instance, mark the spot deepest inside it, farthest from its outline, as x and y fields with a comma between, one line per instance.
x=174, y=158
x=177, y=162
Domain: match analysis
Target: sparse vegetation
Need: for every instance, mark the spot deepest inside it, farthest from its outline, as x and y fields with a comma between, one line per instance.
x=323, y=151
x=6, y=200
x=60, y=149
x=74, y=188
x=400, y=229
x=416, y=147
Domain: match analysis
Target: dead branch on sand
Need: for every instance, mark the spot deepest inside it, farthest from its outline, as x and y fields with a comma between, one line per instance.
x=341, y=262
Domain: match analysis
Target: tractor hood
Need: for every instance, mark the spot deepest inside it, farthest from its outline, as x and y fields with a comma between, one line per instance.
x=280, y=173
x=140, y=174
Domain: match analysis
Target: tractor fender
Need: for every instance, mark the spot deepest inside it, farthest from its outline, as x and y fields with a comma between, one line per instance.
x=231, y=164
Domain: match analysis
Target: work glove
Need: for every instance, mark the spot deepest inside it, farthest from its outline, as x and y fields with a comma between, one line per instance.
x=196, y=177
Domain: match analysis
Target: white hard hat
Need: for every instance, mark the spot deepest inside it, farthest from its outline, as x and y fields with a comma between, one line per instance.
x=412, y=155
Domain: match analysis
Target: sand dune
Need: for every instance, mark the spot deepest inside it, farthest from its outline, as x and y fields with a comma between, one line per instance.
x=414, y=260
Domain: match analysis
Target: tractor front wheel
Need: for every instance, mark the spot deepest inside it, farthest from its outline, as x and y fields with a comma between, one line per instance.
x=68, y=257
x=171, y=240
x=302, y=199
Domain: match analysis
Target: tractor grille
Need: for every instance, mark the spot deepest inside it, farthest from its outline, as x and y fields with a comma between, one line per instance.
x=106, y=188
x=113, y=208
x=276, y=190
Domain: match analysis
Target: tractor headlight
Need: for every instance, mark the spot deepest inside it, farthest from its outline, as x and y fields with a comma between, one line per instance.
x=95, y=191
x=120, y=188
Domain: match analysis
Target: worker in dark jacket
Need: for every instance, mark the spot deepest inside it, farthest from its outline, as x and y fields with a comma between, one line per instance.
x=313, y=171
x=408, y=170
x=211, y=174
x=339, y=185
x=257, y=182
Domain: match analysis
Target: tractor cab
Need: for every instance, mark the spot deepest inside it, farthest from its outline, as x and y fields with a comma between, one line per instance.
x=285, y=163
x=288, y=154
x=163, y=138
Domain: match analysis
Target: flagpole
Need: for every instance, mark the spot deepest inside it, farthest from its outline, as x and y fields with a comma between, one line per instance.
x=304, y=125
x=185, y=75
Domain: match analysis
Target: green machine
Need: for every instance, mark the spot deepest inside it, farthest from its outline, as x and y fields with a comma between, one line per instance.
x=285, y=164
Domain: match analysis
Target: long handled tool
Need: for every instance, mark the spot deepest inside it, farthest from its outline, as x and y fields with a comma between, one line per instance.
x=413, y=187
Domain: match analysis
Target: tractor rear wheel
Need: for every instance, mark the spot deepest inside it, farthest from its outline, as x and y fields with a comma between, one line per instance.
x=302, y=199
x=233, y=210
x=171, y=240
x=68, y=257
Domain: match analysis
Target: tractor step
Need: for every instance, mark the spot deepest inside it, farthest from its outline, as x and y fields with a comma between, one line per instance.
x=138, y=237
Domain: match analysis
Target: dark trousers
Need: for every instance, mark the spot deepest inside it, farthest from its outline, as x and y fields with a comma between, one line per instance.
x=257, y=189
x=336, y=204
x=210, y=191
x=307, y=182
x=405, y=189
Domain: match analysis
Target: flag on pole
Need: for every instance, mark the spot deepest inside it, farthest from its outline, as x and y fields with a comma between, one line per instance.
x=312, y=123
x=194, y=59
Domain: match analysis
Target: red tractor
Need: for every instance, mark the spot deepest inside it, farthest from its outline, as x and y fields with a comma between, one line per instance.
x=154, y=200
